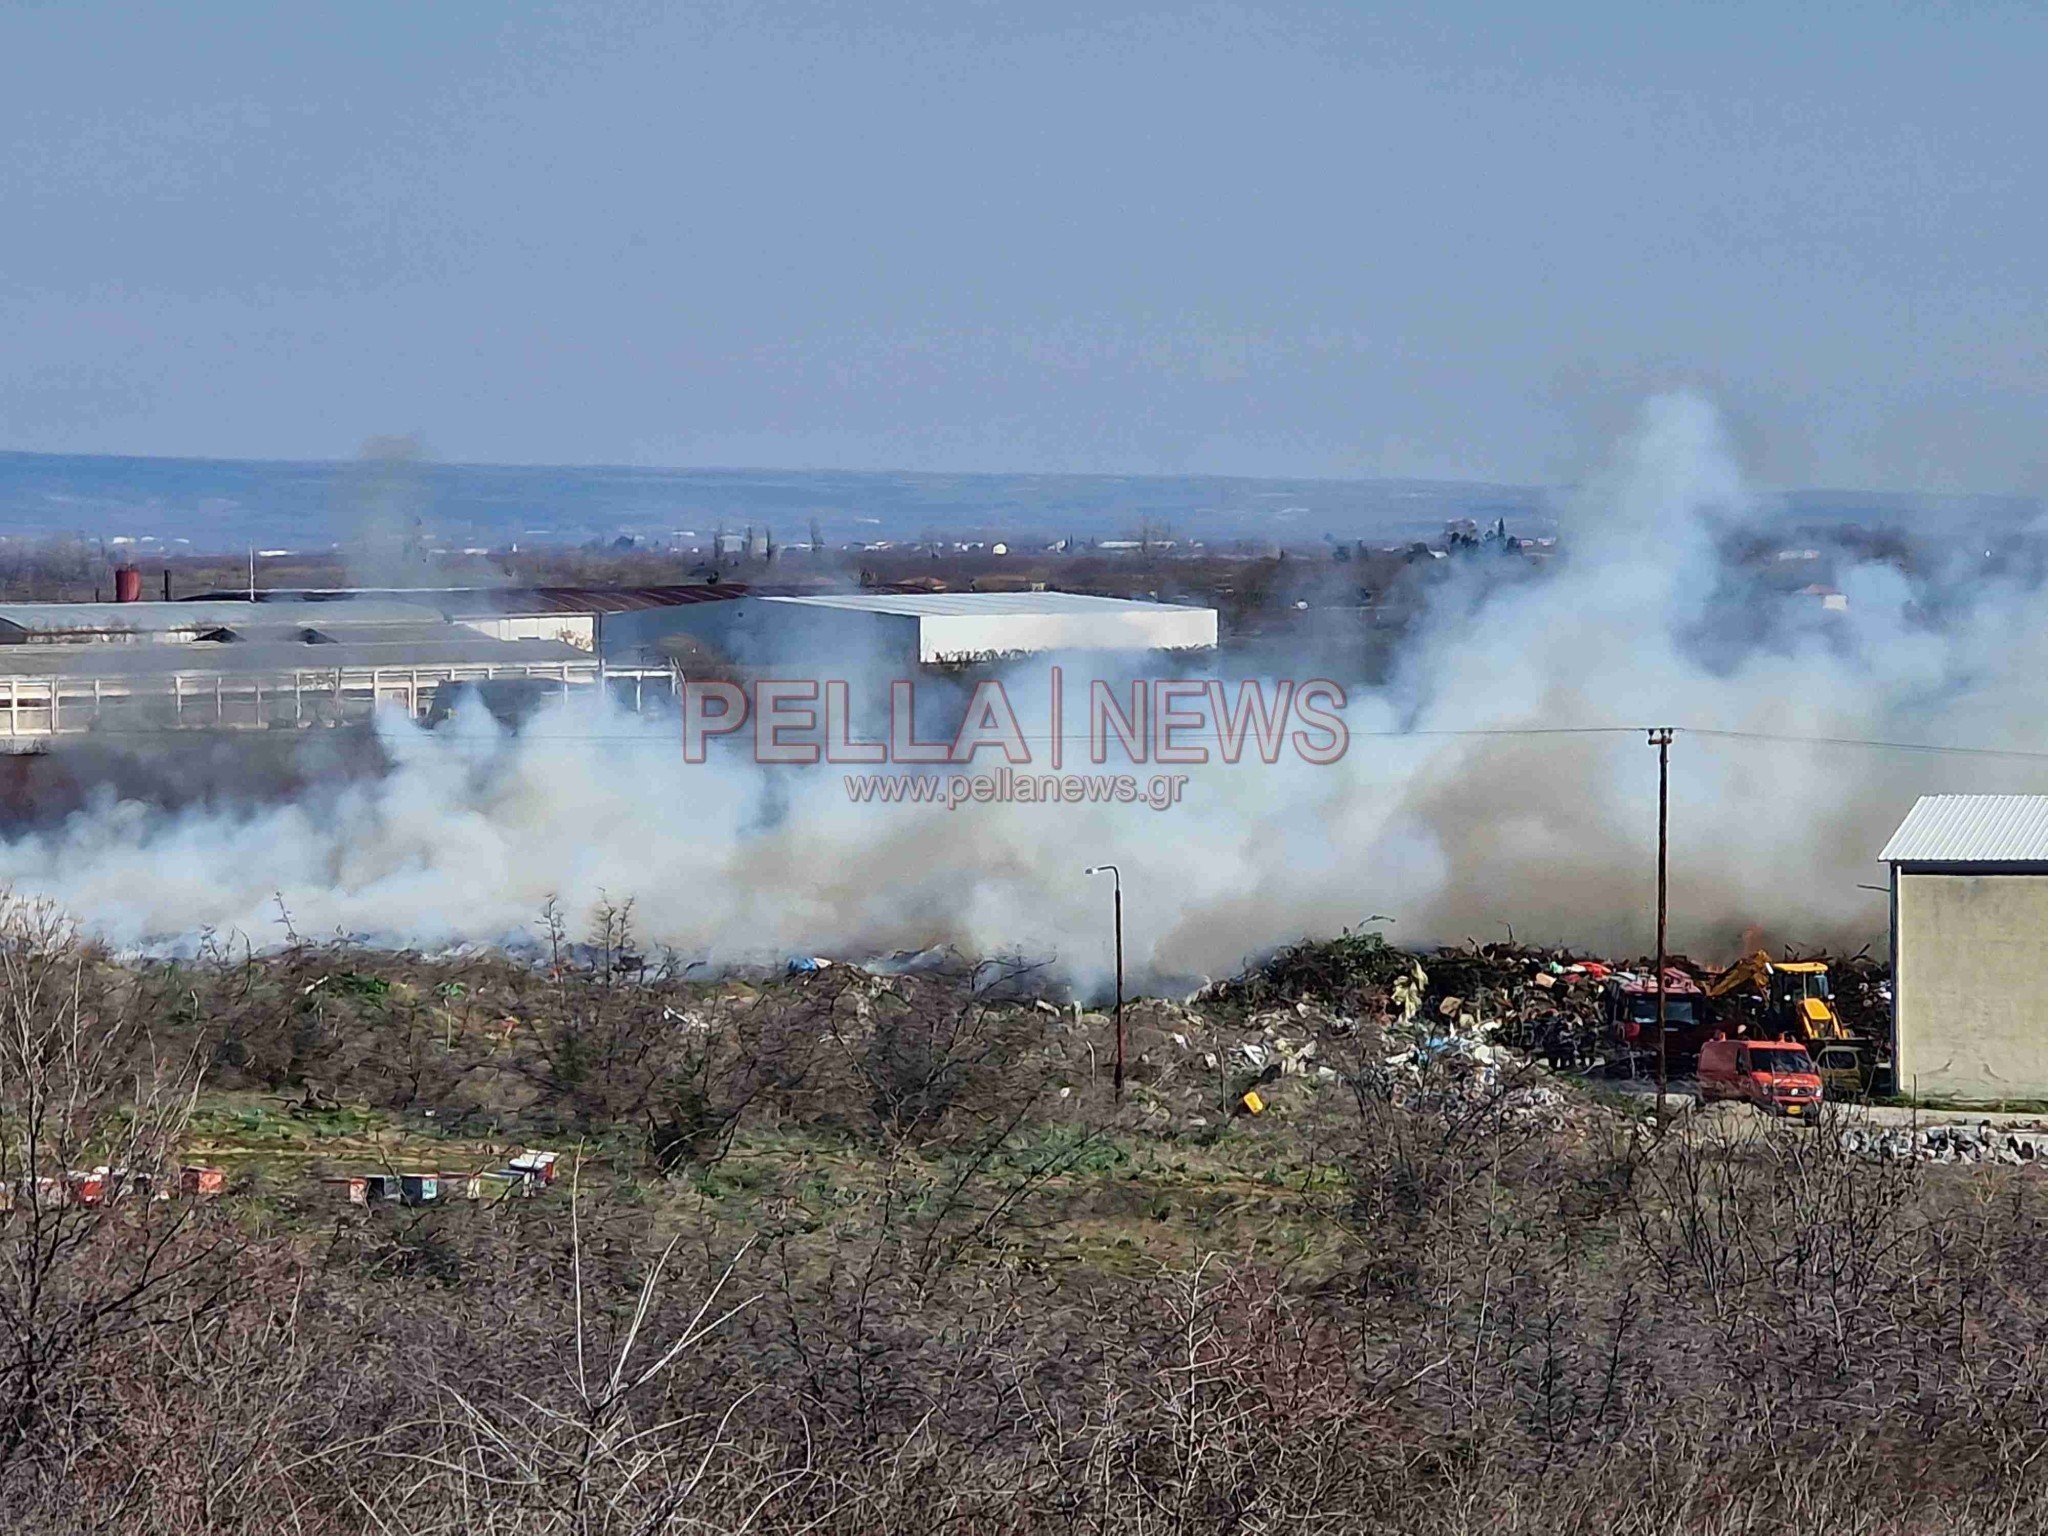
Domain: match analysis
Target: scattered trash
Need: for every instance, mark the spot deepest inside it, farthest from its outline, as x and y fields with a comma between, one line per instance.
x=540, y=1166
x=86, y=1188
x=196, y=1179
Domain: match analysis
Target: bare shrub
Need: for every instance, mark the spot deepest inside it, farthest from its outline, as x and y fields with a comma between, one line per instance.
x=94, y=1245
x=1491, y=1305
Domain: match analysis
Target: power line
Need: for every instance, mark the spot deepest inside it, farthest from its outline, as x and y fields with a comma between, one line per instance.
x=1189, y=735
x=1181, y=734
x=1869, y=742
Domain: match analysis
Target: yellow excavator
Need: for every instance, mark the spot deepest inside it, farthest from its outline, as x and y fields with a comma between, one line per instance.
x=1794, y=1001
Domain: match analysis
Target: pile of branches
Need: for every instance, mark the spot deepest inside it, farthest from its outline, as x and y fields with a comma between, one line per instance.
x=1863, y=995
x=1354, y=974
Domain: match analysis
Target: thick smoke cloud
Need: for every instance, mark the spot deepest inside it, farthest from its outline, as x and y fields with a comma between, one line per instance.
x=1452, y=834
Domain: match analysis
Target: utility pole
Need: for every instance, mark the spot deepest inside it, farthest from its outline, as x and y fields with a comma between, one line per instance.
x=1660, y=738
x=1117, y=882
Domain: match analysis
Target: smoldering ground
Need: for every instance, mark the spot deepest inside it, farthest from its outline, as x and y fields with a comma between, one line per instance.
x=1464, y=805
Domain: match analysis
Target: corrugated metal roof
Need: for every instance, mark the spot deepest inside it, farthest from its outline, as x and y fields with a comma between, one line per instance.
x=431, y=632
x=244, y=657
x=481, y=602
x=1972, y=829
x=924, y=605
x=166, y=618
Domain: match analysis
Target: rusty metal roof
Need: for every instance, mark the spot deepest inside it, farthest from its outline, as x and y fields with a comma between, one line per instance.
x=473, y=602
x=592, y=599
x=481, y=602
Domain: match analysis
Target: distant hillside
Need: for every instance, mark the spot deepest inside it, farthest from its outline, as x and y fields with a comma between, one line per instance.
x=226, y=504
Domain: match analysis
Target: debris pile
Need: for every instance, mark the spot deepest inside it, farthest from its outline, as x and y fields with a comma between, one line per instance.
x=1354, y=974
x=1569, y=1011
x=1533, y=1104
x=1456, y=1030
x=1863, y=997
x=1278, y=1055
x=1549, y=1003
x=1947, y=1144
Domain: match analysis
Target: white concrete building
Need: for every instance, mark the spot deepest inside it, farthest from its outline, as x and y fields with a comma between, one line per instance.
x=1969, y=932
x=70, y=669
x=764, y=625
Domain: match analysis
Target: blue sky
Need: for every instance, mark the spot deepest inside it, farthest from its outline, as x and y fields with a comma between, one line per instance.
x=1461, y=239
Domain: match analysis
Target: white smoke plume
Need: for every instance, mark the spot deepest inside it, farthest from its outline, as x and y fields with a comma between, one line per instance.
x=1453, y=835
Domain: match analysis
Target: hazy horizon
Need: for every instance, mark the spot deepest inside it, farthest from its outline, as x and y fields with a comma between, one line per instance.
x=1250, y=240
x=222, y=504
x=998, y=471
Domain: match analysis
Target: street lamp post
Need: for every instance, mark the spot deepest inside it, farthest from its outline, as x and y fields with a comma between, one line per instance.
x=1661, y=740
x=1117, y=885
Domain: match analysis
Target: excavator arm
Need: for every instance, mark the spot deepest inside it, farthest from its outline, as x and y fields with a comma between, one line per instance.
x=1752, y=971
x=1814, y=1017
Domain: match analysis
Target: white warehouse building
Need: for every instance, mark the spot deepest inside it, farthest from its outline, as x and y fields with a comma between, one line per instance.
x=70, y=669
x=934, y=628
x=1969, y=929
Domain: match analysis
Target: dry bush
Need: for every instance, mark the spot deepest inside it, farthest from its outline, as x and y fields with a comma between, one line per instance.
x=1533, y=1321
x=1535, y=1369
x=595, y=1040
x=94, y=1243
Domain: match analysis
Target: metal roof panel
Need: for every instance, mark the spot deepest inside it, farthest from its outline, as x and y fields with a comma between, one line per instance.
x=972, y=604
x=1972, y=829
x=166, y=618
x=246, y=657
